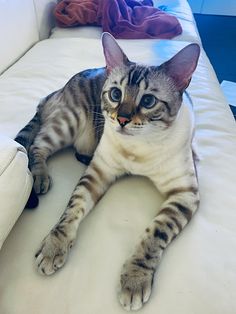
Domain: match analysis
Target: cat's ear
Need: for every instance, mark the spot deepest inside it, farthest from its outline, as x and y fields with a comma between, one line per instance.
x=113, y=53
x=181, y=67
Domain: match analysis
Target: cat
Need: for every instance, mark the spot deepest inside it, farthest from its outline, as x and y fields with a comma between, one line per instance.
x=125, y=118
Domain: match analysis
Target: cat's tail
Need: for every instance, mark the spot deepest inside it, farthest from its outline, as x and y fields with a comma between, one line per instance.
x=26, y=138
x=33, y=200
x=27, y=135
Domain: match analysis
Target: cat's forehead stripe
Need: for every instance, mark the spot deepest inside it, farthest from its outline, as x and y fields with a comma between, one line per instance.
x=137, y=75
x=155, y=90
x=122, y=79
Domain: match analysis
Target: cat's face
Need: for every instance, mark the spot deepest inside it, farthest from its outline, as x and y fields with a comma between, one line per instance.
x=137, y=99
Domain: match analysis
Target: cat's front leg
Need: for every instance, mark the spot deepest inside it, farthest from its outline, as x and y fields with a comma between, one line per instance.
x=54, y=249
x=138, y=272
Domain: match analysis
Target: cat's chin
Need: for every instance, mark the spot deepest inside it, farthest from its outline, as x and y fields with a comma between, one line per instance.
x=123, y=131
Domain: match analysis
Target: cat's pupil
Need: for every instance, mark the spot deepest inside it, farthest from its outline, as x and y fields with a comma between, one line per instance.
x=148, y=101
x=115, y=94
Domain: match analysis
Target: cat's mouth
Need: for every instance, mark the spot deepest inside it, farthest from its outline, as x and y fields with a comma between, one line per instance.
x=119, y=129
x=123, y=131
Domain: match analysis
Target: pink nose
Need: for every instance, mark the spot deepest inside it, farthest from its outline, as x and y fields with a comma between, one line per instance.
x=123, y=120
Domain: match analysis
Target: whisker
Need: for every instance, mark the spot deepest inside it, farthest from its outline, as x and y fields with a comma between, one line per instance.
x=97, y=130
x=98, y=127
x=98, y=114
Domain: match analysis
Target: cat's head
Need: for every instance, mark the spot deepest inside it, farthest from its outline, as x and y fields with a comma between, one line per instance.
x=136, y=97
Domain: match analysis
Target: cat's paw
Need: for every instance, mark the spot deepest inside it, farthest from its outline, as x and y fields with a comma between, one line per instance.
x=136, y=286
x=42, y=183
x=85, y=159
x=53, y=253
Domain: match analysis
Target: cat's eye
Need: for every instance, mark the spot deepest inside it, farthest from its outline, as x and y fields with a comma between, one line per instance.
x=115, y=94
x=148, y=101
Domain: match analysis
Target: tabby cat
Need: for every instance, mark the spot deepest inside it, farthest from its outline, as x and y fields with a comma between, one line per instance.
x=128, y=119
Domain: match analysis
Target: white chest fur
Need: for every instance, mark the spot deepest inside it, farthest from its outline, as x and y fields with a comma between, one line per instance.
x=150, y=153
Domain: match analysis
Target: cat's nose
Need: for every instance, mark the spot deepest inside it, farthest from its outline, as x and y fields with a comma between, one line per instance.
x=123, y=120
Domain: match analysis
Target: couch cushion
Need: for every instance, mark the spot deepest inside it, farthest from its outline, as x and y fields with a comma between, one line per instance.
x=15, y=184
x=198, y=270
x=19, y=30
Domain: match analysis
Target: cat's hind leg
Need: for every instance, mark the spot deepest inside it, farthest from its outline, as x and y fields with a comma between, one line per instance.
x=49, y=140
x=86, y=142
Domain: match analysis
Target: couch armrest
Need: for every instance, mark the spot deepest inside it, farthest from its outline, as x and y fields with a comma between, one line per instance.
x=15, y=184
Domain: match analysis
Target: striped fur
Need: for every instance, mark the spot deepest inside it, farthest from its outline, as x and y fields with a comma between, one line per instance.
x=71, y=116
x=132, y=119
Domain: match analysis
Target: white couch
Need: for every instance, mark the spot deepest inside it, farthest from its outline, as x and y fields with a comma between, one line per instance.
x=198, y=271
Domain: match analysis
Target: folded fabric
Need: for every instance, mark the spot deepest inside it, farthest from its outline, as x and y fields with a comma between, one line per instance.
x=128, y=19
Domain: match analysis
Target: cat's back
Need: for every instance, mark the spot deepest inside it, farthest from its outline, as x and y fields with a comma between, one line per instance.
x=81, y=92
x=89, y=82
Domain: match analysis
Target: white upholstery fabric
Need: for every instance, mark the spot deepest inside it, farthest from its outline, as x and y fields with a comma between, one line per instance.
x=77, y=32
x=15, y=184
x=44, y=15
x=182, y=11
x=22, y=24
x=198, y=271
x=18, y=30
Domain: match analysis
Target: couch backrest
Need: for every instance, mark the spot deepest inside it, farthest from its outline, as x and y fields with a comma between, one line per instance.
x=22, y=24
x=44, y=15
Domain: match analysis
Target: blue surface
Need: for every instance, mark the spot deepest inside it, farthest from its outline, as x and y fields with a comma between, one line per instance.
x=218, y=34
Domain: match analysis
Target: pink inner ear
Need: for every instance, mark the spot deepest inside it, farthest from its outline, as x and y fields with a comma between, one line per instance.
x=181, y=67
x=114, y=55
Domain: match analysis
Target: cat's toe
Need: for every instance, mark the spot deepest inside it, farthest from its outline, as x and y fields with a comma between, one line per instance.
x=131, y=300
x=42, y=183
x=45, y=265
x=52, y=254
x=136, y=287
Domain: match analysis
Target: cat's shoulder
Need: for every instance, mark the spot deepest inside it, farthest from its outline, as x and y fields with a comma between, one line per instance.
x=89, y=74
